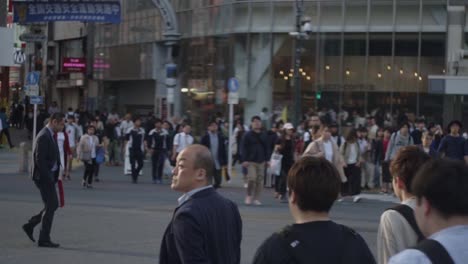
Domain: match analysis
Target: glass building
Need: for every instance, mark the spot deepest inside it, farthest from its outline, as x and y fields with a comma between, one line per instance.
x=361, y=55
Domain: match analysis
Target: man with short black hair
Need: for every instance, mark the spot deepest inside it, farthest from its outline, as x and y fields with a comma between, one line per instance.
x=398, y=230
x=135, y=138
x=426, y=144
x=452, y=146
x=255, y=152
x=46, y=167
x=314, y=185
x=205, y=227
x=159, y=143
x=418, y=131
x=441, y=190
x=215, y=142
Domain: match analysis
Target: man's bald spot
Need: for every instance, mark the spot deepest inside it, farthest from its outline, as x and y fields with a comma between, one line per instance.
x=202, y=159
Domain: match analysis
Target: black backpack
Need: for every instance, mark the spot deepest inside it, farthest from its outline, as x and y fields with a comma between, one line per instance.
x=435, y=252
x=431, y=248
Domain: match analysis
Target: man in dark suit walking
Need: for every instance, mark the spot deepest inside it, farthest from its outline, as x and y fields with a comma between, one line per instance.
x=215, y=142
x=46, y=167
x=205, y=227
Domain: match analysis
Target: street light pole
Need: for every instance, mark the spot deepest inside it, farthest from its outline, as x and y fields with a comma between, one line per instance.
x=297, y=64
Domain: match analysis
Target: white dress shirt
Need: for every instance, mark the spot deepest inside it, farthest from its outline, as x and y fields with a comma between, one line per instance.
x=328, y=147
x=182, y=140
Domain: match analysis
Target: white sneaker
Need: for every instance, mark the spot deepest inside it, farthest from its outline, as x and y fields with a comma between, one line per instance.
x=257, y=202
x=356, y=199
x=248, y=200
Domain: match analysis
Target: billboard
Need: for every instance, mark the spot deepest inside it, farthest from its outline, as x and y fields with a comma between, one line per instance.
x=89, y=11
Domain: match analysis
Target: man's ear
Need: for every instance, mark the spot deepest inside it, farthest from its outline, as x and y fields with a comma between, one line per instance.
x=400, y=183
x=293, y=197
x=426, y=206
x=200, y=175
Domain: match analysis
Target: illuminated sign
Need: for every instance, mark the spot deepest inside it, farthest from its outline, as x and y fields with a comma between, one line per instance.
x=74, y=65
x=44, y=11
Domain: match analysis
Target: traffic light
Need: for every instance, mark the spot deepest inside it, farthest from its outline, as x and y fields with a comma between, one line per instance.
x=318, y=95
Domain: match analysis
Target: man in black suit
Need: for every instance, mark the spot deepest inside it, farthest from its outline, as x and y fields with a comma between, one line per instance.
x=215, y=142
x=205, y=227
x=45, y=175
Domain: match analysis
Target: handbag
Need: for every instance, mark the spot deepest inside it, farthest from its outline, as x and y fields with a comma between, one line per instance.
x=275, y=164
x=167, y=168
x=85, y=155
x=100, y=155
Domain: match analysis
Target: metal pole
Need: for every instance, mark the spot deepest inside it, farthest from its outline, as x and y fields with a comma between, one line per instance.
x=418, y=83
x=231, y=120
x=393, y=57
x=31, y=161
x=297, y=64
x=341, y=67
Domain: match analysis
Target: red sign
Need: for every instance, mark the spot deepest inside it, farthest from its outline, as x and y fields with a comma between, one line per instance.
x=74, y=65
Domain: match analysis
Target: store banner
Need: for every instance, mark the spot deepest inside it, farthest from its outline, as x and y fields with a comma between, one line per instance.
x=74, y=65
x=84, y=11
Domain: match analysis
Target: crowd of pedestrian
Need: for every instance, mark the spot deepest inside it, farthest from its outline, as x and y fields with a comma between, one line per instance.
x=314, y=167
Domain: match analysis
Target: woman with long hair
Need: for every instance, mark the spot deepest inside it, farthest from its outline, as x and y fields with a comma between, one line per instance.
x=352, y=157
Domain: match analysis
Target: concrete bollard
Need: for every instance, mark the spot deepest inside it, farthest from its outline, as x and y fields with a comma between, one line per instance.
x=24, y=157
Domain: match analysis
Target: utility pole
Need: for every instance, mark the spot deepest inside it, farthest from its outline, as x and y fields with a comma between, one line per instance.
x=297, y=64
x=4, y=71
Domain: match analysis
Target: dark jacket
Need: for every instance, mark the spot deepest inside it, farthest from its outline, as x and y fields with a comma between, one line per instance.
x=416, y=135
x=377, y=151
x=272, y=140
x=156, y=140
x=4, y=120
x=46, y=155
x=222, y=154
x=255, y=148
x=432, y=151
x=205, y=229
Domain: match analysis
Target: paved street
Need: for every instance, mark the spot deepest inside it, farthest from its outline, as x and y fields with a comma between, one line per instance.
x=118, y=222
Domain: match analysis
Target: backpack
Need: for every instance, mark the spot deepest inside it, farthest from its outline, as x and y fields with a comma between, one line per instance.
x=407, y=213
x=435, y=252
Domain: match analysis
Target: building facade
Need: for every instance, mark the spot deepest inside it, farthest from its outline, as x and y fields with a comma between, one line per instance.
x=360, y=54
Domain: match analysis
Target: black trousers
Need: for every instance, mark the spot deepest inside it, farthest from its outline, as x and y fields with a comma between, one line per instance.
x=90, y=167
x=46, y=186
x=226, y=173
x=158, y=158
x=6, y=131
x=217, y=178
x=353, y=186
x=280, y=180
x=136, y=156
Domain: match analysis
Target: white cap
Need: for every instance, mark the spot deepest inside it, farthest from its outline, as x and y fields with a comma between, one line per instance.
x=288, y=126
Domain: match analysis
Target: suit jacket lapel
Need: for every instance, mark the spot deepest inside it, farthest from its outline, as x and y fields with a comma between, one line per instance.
x=57, y=151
